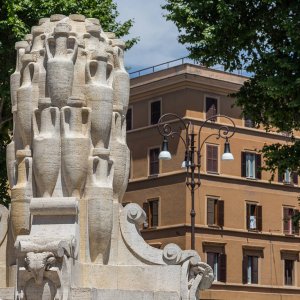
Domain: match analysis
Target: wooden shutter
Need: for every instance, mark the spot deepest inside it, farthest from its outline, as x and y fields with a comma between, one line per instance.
x=243, y=164
x=222, y=267
x=244, y=269
x=257, y=166
x=210, y=259
x=254, y=270
x=211, y=108
x=248, y=216
x=295, y=177
x=146, y=209
x=211, y=158
x=220, y=205
x=215, y=158
x=259, y=218
x=210, y=211
x=286, y=218
x=296, y=226
x=154, y=213
x=153, y=161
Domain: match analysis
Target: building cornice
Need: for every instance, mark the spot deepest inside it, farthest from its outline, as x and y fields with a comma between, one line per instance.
x=133, y=183
x=263, y=236
x=239, y=129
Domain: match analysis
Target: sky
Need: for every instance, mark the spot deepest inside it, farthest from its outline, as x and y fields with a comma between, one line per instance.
x=158, y=37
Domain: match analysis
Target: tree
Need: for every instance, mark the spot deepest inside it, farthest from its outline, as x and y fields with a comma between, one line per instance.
x=261, y=37
x=16, y=19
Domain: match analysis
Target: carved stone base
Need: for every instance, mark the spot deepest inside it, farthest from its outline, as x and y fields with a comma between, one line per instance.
x=93, y=294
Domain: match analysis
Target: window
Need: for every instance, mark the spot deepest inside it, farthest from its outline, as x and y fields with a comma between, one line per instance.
x=250, y=269
x=288, y=271
x=289, y=227
x=248, y=122
x=251, y=163
x=211, y=108
x=217, y=261
x=212, y=158
x=155, y=112
x=288, y=177
x=289, y=267
x=254, y=217
x=129, y=119
x=215, y=212
x=154, y=161
x=151, y=209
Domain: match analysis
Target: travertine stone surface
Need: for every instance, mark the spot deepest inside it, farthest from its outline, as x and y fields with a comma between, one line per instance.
x=66, y=235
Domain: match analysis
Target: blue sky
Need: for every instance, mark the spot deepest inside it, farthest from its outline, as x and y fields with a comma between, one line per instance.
x=158, y=38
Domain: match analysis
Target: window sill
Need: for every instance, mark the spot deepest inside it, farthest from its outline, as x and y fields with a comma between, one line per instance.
x=251, y=178
x=215, y=226
x=253, y=230
x=213, y=172
x=150, y=228
x=153, y=175
x=290, y=234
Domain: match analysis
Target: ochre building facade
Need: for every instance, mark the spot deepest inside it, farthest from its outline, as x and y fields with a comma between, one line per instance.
x=244, y=227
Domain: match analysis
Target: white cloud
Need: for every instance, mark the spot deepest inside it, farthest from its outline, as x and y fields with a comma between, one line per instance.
x=158, y=38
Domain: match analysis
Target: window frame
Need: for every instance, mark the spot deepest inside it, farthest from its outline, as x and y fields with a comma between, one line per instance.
x=218, y=212
x=205, y=106
x=252, y=251
x=293, y=256
x=149, y=213
x=292, y=229
x=248, y=121
x=216, y=146
x=256, y=166
x=257, y=214
x=149, y=161
x=150, y=110
x=285, y=279
x=292, y=177
x=218, y=251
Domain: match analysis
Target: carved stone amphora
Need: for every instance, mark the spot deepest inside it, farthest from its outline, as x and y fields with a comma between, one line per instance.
x=75, y=147
x=60, y=66
x=15, y=78
x=47, y=152
x=99, y=196
x=120, y=155
x=99, y=95
x=121, y=85
x=26, y=101
x=21, y=195
x=11, y=163
x=39, y=50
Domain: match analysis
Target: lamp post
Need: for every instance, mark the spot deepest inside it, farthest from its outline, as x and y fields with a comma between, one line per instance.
x=167, y=129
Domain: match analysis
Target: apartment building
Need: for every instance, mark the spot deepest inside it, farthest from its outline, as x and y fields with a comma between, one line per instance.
x=243, y=222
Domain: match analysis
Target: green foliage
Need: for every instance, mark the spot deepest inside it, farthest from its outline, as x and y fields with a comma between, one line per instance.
x=16, y=19
x=261, y=37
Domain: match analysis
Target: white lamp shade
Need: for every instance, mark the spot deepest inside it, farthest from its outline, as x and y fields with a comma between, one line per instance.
x=164, y=155
x=227, y=156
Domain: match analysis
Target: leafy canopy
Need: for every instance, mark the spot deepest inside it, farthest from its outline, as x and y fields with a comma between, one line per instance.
x=261, y=37
x=16, y=19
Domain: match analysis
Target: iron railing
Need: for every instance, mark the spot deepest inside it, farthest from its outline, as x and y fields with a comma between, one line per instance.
x=178, y=62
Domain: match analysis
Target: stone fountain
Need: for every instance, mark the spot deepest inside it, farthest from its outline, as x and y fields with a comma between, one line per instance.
x=66, y=234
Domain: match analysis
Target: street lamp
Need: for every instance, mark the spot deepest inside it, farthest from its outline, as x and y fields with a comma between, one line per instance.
x=166, y=129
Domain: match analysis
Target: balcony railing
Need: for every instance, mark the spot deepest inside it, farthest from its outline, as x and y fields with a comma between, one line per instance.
x=178, y=62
